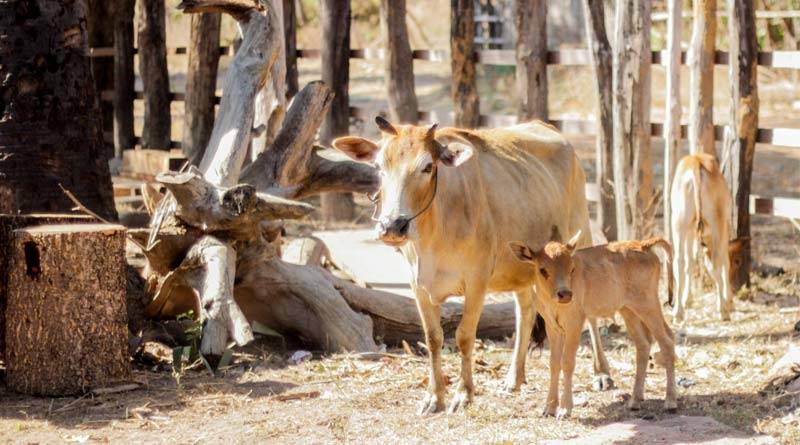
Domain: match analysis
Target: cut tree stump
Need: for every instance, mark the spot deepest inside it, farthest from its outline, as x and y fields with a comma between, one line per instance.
x=66, y=326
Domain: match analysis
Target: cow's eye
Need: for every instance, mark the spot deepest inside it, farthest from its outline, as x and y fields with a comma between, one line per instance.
x=544, y=273
x=428, y=167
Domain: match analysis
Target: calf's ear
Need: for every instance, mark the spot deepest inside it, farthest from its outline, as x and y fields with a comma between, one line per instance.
x=454, y=154
x=357, y=148
x=573, y=242
x=522, y=252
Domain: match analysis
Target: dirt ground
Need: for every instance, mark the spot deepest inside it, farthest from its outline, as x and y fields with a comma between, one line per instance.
x=346, y=398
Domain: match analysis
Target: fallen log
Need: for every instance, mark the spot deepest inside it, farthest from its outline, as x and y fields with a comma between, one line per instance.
x=66, y=316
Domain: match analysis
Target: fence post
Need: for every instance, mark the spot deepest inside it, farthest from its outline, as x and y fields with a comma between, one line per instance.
x=156, y=131
x=633, y=170
x=464, y=89
x=399, y=65
x=530, y=21
x=672, y=121
x=201, y=85
x=290, y=36
x=335, y=16
x=99, y=17
x=124, y=79
x=701, y=77
x=601, y=60
x=744, y=126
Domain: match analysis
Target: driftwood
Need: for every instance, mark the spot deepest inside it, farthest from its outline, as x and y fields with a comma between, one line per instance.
x=214, y=246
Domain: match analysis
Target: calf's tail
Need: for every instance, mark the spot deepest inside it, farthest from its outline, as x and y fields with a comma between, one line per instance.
x=663, y=250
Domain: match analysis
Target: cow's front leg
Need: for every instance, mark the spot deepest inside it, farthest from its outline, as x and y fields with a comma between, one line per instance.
x=465, y=337
x=430, y=314
x=516, y=372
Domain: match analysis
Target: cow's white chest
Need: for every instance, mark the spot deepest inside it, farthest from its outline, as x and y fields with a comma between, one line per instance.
x=432, y=275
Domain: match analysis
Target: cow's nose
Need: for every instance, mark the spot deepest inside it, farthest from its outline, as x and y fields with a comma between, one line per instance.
x=400, y=226
x=394, y=230
x=564, y=295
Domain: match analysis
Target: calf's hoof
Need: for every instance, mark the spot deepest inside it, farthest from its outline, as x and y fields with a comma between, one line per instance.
x=563, y=413
x=431, y=404
x=460, y=401
x=634, y=404
x=602, y=382
x=549, y=411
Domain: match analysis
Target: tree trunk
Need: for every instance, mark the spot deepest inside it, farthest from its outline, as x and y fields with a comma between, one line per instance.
x=464, y=87
x=672, y=121
x=124, y=78
x=66, y=279
x=633, y=170
x=701, y=77
x=744, y=126
x=601, y=60
x=50, y=131
x=271, y=100
x=99, y=18
x=156, y=132
x=399, y=65
x=530, y=21
x=201, y=85
x=9, y=223
x=335, y=16
x=290, y=36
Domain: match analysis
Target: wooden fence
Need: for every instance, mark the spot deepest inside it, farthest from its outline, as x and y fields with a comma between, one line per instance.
x=788, y=137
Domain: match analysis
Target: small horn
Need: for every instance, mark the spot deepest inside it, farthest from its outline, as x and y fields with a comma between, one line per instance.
x=431, y=130
x=385, y=126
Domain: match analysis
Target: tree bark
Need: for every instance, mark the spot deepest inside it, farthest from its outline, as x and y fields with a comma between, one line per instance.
x=66, y=279
x=101, y=35
x=124, y=78
x=201, y=85
x=399, y=65
x=50, y=131
x=672, y=121
x=633, y=174
x=700, y=60
x=530, y=21
x=464, y=87
x=156, y=132
x=601, y=60
x=290, y=36
x=335, y=16
x=743, y=127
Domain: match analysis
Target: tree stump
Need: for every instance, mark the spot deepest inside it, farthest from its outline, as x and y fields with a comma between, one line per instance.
x=66, y=325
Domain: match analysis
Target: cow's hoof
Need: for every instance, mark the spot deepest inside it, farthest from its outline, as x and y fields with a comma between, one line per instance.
x=602, y=382
x=549, y=412
x=671, y=406
x=460, y=401
x=563, y=413
x=512, y=385
x=430, y=405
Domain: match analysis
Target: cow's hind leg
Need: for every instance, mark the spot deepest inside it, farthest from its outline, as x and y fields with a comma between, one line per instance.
x=602, y=373
x=434, y=337
x=525, y=314
x=465, y=337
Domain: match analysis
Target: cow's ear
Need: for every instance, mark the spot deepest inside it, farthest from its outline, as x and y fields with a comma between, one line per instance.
x=522, y=252
x=573, y=242
x=357, y=148
x=454, y=154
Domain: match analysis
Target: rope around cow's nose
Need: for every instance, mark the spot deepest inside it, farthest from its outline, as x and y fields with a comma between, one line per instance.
x=376, y=199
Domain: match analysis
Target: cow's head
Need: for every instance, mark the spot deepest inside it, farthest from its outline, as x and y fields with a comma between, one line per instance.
x=553, y=266
x=407, y=157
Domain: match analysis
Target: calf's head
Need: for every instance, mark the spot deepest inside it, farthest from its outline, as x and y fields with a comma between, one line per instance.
x=407, y=157
x=553, y=266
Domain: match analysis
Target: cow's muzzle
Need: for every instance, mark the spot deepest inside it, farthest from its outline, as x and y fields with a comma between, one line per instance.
x=394, y=232
x=564, y=295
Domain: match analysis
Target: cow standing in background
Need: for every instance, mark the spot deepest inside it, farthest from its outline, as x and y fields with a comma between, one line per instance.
x=451, y=200
x=701, y=207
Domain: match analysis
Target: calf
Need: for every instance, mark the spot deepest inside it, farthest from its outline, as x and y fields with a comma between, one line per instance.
x=701, y=206
x=598, y=282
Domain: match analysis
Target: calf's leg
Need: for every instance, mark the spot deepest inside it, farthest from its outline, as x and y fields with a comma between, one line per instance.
x=602, y=374
x=556, y=339
x=430, y=314
x=525, y=314
x=572, y=338
x=640, y=339
x=683, y=266
x=654, y=321
x=465, y=337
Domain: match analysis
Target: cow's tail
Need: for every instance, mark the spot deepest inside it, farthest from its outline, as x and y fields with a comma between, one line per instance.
x=663, y=250
x=539, y=332
x=697, y=170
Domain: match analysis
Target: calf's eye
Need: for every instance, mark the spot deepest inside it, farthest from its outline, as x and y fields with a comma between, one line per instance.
x=428, y=167
x=543, y=271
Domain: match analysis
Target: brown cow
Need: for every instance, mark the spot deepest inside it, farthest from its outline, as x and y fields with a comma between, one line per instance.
x=451, y=200
x=598, y=282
